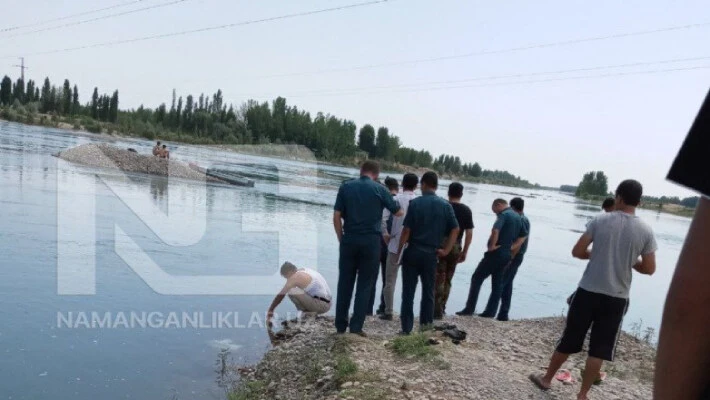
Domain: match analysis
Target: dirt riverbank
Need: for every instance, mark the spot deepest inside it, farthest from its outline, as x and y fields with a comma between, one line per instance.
x=312, y=362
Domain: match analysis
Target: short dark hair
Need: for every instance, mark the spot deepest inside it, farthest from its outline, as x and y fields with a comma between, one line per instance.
x=456, y=190
x=410, y=181
x=630, y=192
x=164, y=146
x=370, y=166
x=517, y=204
x=391, y=183
x=499, y=202
x=431, y=179
x=608, y=202
x=158, y=142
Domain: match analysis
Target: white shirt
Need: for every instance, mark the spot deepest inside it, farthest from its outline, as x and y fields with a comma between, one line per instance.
x=403, y=200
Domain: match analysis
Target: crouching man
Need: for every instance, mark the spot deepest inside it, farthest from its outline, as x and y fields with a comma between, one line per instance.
x=306, y=288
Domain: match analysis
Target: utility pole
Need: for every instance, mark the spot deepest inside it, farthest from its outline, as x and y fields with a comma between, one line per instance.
x=22, y=68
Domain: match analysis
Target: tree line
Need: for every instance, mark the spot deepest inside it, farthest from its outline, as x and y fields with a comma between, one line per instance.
x=209, y=119
x=62, y=100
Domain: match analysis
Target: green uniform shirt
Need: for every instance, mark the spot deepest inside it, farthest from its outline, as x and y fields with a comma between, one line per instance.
x=360, y=202
x=429, y=218
x=510, y=227
x=526, y=225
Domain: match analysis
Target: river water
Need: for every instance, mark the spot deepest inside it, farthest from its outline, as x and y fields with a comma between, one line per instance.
x=128, y=253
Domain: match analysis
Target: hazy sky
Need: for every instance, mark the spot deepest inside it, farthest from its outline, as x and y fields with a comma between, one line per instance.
x=550, y=131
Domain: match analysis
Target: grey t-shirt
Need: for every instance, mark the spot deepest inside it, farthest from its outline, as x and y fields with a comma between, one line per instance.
x=618, y=240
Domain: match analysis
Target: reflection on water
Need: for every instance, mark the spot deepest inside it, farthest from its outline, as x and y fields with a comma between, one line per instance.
x=247, y=232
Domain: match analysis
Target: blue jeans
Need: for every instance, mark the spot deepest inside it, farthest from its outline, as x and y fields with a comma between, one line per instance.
x=359, y=259
x=508, y=277
x=417, y=264
x=493, y=265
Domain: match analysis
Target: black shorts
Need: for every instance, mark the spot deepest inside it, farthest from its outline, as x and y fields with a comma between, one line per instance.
x=604, y=314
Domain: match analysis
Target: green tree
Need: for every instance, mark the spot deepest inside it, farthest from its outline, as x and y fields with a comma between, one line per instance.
x=18, y=92
x=113, y=107
x=67, y=97
x=30, y=92
x=95, y=104
x=366, y=140
x=76, y=107
x=593, y=183
x=6, y=91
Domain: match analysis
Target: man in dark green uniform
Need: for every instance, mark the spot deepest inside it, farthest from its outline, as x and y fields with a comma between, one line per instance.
x=359, y=203
x=519, y=248
x=507, y=229
x=429, y=219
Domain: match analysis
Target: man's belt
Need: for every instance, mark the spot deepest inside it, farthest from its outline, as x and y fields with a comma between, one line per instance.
x=321, y=299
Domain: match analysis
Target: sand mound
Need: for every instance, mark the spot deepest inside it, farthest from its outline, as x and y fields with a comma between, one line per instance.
x=103, y=155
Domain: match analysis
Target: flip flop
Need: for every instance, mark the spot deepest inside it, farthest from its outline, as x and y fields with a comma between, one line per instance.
x=537, y=380
x=564, y=376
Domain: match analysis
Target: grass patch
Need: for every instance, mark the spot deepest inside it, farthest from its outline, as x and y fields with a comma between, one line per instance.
x=345, y=367
x=414, y=346
x=250, y=391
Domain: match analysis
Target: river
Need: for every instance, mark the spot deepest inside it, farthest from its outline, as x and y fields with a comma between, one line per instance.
x=80, y=242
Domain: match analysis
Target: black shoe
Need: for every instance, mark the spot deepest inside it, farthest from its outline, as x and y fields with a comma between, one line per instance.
x=484, y=315
x=502, y=318
x=386, y=317
x=361, y=334
x=403, y=333
x=380, y=311
x=464, y=313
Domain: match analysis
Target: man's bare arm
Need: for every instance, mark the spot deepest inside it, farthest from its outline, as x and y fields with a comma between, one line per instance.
x=338, y=224
x=404, y=238
x=581, y=249
x=647, y=265
x=467, y=243
x=493, y=240
x=450, y=241
x=683, y=358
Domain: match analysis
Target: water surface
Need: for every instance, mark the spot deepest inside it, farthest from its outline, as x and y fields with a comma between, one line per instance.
x=50, y=208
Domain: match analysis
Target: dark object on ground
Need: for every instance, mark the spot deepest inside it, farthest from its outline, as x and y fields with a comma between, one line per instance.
x=444, y=326
x=132, y=150
x=464, y=313
x=456, y=334
x=484, y=315
x=224, y=175
x=456, y=341
x=433, y=341
x=386, y=317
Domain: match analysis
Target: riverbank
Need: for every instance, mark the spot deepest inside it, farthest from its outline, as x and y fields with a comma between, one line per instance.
x=309, y=361
x=675, y=209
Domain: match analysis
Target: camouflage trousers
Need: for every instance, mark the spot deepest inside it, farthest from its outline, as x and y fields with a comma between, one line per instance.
x=444, y=273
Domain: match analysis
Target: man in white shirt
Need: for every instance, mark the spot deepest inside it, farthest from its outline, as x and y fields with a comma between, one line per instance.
x=409, y=185
x=307, y=289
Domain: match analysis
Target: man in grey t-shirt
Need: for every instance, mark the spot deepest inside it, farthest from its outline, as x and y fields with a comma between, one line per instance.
x=601, y=300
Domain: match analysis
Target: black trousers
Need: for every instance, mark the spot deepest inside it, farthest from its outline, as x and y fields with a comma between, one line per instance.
x=417, y=264
x=359, y=256
x=383, y=270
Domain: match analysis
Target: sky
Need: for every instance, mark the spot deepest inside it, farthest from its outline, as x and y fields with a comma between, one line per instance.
x=544, y=124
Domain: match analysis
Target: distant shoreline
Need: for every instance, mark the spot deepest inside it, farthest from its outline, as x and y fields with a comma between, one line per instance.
x=269, y=150
x=673, y=209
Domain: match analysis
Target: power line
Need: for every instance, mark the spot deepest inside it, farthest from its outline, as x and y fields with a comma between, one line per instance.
x=608, y=75
x=86, y=21
x=124, y=4
x=211, y=28
x=489, y=52
x=509, y=76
